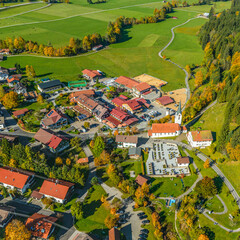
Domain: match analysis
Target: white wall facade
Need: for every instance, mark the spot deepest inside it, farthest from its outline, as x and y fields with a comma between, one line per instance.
x=172, y=134
x=195, y=144
x=127, y=145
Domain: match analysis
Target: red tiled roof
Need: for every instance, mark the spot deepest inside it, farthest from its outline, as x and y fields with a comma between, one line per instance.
x=36, y=194
x=181, y=160
x=133, y=104
x=55, y=188
x=12, y=78
x=119, y=114
x=86, y=101
x=114, y=234
x=141, y=180
x=13, y=178
x=54, y=142
x=53, y=117
x=200, y=136
x=40, y=225
x=91, y=73
x=89, y=92
x=20, y=112
x=119, y=101
x=83, y=160
x=165, y=128
x=131, y=121
x=127, y=82
x=143, y=86
x=165, y=100
x=114, y=121
x=127, y=139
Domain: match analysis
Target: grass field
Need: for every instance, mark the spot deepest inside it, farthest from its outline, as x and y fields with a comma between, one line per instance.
x=94, y=214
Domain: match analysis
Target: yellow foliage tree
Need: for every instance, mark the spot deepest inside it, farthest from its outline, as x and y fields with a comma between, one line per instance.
x=203, y=237
x=10, y=100
x=199, y=79
x=58, y=161
x=206, y=164
x=40, y=98
x=12, y=163
x=17, y=230
x=68, y=161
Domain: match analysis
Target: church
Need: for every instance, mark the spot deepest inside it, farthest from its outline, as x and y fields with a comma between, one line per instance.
x=168, y=129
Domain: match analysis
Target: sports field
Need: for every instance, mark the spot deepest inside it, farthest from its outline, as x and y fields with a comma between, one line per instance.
x=135, y=55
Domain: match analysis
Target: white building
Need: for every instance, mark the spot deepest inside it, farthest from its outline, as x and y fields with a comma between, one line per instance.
x=124, y=141
x=16, y=179
x=161, y=130
x=200, y=139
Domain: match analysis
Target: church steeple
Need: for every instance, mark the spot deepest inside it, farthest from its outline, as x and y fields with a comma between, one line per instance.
x=178, y=114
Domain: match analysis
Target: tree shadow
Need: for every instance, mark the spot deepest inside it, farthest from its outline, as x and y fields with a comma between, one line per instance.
x=209, y=233
x=155, y=187
x=219, y=183
x=45, y=74
x=125, y=35
x=89, y=209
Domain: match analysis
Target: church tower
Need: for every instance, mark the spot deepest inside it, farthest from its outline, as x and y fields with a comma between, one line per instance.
x=178, y=115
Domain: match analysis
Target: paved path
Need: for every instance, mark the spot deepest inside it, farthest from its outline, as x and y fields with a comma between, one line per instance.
x=36, y=9
x=169, y=43
x=225, y=210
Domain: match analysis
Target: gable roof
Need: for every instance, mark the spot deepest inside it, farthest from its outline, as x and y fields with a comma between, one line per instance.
x=91, y=73
x=20, y=112
x=133, y=104
x=127, y=139
x=40, y=225
x=199, y=136
x=126, y=81
x=83, y=160
x=134, y=151
x=165, y=100
x=141, y=180
x=143, y=86
x=119, y=101
x=13, y=177
x=165, y=128
x=55, y=188
x=100, y=111
x=119, y=114
x=86, y=101
x=50, y=84
x=114, y=234
x=89, y=92
x=12, y=79
x=53, y=117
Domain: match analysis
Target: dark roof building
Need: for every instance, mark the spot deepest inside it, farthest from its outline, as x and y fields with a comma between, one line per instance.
x=50, y=86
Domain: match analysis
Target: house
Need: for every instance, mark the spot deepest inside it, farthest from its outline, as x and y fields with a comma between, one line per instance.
x=133, y=106
x=41, y=226
x=135, y=152
x=50, y=86
x=92, y=75
x=51, y=140
x=54, y=119
x=164, y=100
x=125, y=141
x=140, y=180
x=83, y=113
x=86, y=103
x=13, y=80
x=20, y=113
x=200, y=139
x=16, y=179
x=56, y=189
x=119, y=101
x=2, y=122
x=36, y=195
x=126, y=82
x=80, y=236
x=83, y=161
x=4, y=51
x=141, y=89
x=19, y=88
x=183, y=161
x=88, y=93
x=101, y=113
x=165, y=130
x=30, y=96
x=6, y=214
x=114, y=234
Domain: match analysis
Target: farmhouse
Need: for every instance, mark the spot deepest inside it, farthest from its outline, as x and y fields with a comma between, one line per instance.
x=54, y=119
x=41, y=226
x=20, y=113
x=48, y=138
x=50, y=86
x=88, y=93
x=126, y=82
x=165, y=159
x=59, y=190
x=92, y=75
x=16, y=179
x=124, y=141
x=200, y=139
x=165, y=130
x=114, y=234
x=140, y=89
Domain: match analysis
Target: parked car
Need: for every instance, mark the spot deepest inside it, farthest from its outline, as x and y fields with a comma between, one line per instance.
x=140, y=214
x=145, y=221
x=146, y=231
x=144, y=236
x=142, y=217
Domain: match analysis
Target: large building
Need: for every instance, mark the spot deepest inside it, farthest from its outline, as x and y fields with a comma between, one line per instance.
x=200, y=139
x=49, y=138
x=41, y=226
x=125, y=141
x=114, y=234
x=86, y=102
x=160, y=130
x=50, y=86
x=16, y=179
x=56, y=189
x=92, y=75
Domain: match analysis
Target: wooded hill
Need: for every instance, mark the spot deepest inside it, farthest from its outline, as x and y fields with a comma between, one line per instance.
x=220, y=39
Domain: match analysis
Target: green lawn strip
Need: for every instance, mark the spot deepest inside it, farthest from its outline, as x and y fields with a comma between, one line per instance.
x=131, y=165
x=217, y=232
x=214, y=205
x=94, y=213
x=67, y=206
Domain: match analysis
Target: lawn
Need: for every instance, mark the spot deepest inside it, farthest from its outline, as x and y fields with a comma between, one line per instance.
x=214, y=204
x=94, y=214
x=131, y=165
